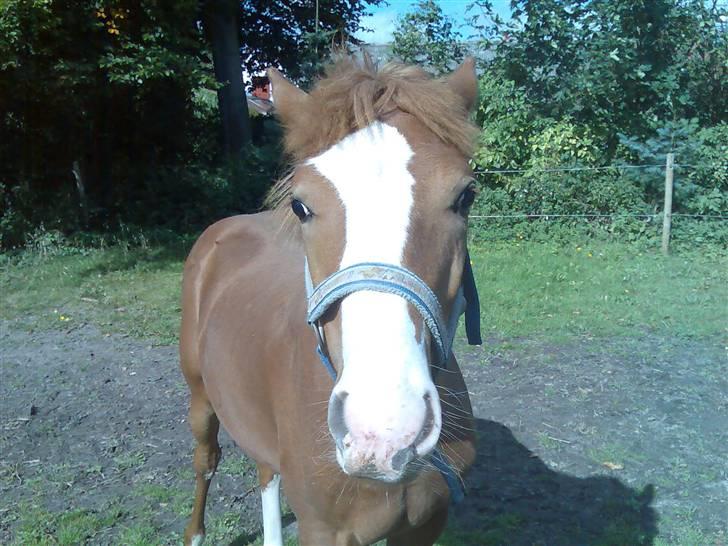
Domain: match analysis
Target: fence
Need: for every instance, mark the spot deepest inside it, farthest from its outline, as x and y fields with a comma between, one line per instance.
x=666, y=214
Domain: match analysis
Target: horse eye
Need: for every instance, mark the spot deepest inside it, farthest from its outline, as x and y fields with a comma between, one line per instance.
x=465, y=200
x=300, y=210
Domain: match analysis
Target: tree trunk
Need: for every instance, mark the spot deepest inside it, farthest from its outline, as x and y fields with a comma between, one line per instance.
x=220, y=19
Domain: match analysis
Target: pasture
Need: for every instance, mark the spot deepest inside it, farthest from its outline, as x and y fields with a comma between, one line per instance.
x=601, y=398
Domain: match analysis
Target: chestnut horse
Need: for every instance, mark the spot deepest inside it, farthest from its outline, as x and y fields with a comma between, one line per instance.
x=366, y=242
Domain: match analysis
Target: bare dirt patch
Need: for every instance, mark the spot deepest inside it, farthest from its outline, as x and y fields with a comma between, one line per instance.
x=579, y=443
x=617, y=441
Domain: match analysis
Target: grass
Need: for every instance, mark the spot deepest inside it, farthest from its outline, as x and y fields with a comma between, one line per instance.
x=608, y=289
x=120, y=289
x=79, y=526
x=526, y=290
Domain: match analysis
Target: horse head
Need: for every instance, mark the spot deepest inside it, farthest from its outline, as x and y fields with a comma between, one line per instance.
x=381, y=177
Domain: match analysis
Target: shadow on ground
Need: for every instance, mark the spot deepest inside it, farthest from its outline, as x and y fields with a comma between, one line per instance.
x=515, y=499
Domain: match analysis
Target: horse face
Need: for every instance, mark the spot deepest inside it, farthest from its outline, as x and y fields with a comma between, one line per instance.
x=389, y=193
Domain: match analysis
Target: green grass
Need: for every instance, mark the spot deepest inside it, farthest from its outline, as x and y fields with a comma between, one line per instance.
x=606, y=289
x=497, y=533
x=40, y=528
x=135, y=291
x=526, y=289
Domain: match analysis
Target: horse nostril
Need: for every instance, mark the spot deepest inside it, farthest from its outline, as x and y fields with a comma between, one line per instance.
x=337, y=424
x=429, y=424
x=402, y=458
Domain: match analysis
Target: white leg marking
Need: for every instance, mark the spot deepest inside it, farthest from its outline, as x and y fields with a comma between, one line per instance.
x=197, y=540
x=272, y=524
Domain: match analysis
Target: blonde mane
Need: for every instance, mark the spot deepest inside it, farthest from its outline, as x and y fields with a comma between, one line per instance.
x=354, y=94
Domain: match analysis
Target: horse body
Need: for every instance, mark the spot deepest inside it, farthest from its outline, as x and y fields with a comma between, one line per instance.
x=352, y=453
x=244, y=268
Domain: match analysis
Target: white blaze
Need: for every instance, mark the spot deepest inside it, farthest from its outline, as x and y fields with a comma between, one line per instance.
x=385, y=368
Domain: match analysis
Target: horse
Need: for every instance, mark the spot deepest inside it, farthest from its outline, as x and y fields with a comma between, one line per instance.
x=358, y=263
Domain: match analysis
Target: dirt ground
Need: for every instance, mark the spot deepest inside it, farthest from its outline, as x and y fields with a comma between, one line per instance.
x=588, y=442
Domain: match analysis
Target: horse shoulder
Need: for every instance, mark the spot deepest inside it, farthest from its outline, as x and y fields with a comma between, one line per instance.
x=240, y=292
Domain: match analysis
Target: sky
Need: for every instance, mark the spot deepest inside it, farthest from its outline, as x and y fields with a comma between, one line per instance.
x=384, y=18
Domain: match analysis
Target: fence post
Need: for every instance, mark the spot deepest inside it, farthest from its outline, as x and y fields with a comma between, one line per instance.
x=667, y=209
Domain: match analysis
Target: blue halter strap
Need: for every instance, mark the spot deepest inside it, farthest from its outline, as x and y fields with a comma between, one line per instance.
x=392, y=279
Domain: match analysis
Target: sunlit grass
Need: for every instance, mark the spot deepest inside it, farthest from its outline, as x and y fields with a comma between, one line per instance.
x=526, y=289
x=605, y=289
x=132, y=291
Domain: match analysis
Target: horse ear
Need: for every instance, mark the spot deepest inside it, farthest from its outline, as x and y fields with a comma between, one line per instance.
x=287, y=99
x=464, y=82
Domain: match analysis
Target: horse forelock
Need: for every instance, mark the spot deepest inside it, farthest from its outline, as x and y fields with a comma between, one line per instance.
x=353, y=95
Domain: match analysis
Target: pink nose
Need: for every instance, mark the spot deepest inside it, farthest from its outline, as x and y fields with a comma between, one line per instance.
x=377, y=444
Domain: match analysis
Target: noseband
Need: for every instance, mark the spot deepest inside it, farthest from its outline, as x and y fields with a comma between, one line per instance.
x=392, y=279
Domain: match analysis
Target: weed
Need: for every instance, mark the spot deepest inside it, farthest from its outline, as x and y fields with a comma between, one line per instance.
x=132, y=459
x=39, y=528
x=143, y=534
x=236, y=466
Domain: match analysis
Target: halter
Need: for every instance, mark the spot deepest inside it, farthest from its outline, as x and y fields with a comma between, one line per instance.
x=392, y=279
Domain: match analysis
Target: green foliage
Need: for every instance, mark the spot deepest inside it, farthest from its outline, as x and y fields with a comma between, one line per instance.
x=614, y=65
x=425, y=36
x=284, y=33
x=93, y=84
x=109, y=114
x=508, y=122
x=702, y=186
x=571, y=86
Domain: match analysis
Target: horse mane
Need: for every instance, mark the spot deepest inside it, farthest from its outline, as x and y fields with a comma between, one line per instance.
x=355, y=93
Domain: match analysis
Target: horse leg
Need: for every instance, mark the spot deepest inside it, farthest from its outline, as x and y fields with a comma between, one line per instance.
x=270, y=492
x=424, y=535
x=205, y=426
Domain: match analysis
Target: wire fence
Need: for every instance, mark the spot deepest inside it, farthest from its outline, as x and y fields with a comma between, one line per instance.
x=602, y=168
x=596, y=215
x=708, y=226
x=600, y=215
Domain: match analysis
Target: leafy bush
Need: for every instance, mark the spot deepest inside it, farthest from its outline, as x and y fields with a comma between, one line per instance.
x=425, y=36
x=592, y=85
x=700, y=185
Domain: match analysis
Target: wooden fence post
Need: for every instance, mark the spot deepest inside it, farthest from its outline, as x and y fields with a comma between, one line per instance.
x=667, y=209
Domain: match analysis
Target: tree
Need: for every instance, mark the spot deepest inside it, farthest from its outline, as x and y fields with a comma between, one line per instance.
x=589, y=83
x=285, y=34
x=221, y=21
x=616, y=65
x=107, y=109
x=425, y=36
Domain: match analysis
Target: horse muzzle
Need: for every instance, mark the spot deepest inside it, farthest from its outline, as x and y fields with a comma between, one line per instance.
x=382, y=431
x=386, y=440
